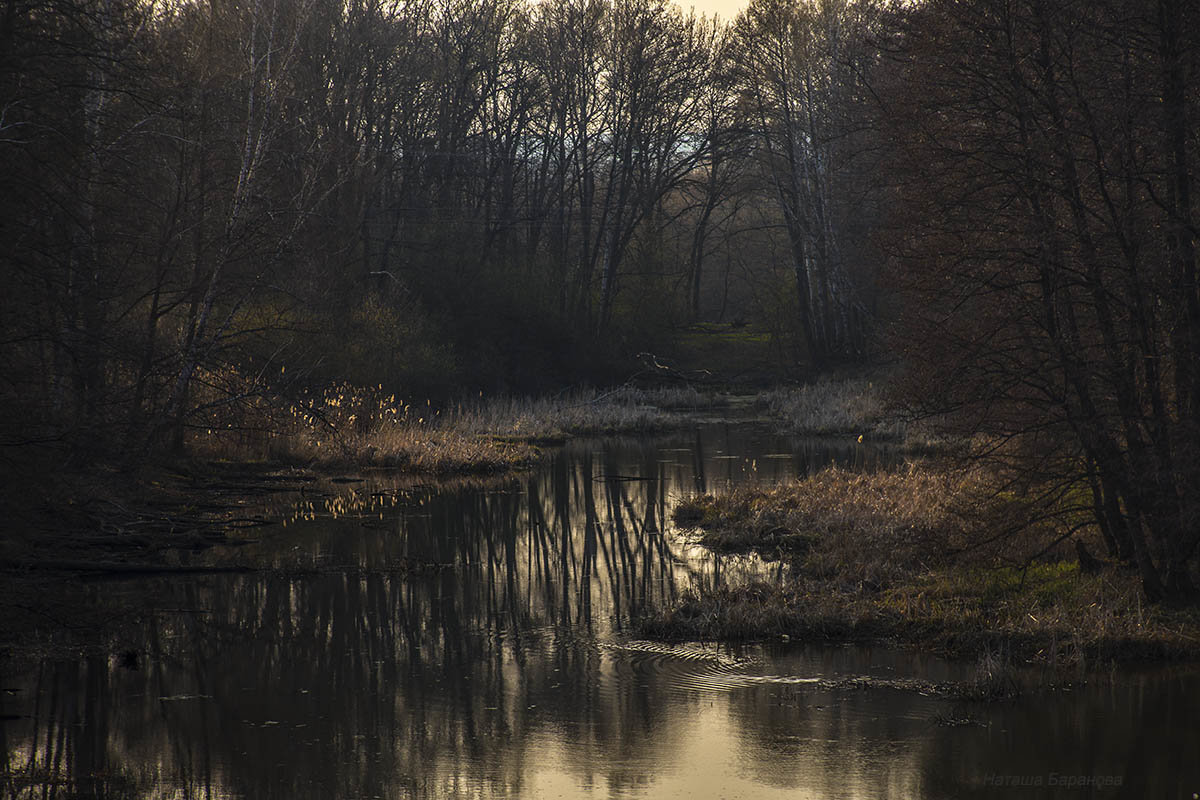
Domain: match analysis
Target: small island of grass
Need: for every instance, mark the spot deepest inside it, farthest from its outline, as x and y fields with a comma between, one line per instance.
x=947, y=554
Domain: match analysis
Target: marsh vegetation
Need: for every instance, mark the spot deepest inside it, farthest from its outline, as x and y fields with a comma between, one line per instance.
x=347, y=427
x=930, y=555
x=956, y=549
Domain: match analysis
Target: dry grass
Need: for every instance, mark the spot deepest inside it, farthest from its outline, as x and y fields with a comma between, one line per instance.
x=847, y=406
x=851, y=407
x=623, y=410
x=348, y=426
x=907, y=520
x=909, y=556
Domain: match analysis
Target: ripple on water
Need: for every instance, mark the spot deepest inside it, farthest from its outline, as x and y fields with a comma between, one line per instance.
x=691, y=667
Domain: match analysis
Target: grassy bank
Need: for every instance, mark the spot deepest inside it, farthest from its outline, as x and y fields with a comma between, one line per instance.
x=851, y=406
x=108, y=519
x=266, y=446
x=347, y=427
x=927, y=556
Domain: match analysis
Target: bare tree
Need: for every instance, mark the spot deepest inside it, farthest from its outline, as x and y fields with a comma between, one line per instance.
x=1049, y=235
x=800, y=70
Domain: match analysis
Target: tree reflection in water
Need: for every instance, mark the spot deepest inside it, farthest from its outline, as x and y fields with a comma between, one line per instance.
x=464, y=648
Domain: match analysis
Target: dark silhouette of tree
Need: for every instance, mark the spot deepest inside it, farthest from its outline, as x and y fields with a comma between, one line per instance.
x=1048, y=242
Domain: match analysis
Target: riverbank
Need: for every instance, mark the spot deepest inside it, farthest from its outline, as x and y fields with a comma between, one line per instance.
x=931, y=557
x=347, y=427
x=280, y=448
x=271, y=463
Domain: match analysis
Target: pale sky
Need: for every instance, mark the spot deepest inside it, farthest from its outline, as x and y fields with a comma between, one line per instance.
x=728, y=9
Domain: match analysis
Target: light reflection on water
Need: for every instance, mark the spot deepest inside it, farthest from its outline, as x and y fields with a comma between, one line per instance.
x=473, y=642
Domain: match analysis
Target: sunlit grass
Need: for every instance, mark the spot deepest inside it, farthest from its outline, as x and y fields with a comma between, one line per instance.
x=854, y=406
x=876, y=527
x=917, y=555
x=624, y=410
x=352, y=426
x=347, y=426
x=846, y=406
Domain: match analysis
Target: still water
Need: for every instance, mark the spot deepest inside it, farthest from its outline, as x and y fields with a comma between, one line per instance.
x=474, y=642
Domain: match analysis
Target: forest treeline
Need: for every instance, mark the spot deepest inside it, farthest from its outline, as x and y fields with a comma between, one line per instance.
x=209, y=200
x=205, y=203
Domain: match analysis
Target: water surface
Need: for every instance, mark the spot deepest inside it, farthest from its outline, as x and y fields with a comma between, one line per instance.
x=474, y=641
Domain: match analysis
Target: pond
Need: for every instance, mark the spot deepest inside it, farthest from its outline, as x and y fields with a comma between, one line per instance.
x=474, y=641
